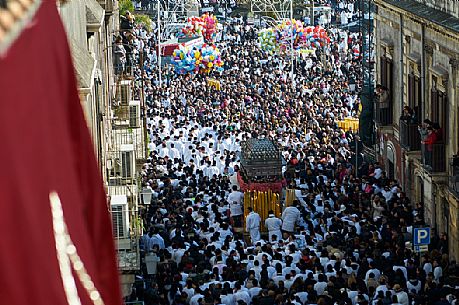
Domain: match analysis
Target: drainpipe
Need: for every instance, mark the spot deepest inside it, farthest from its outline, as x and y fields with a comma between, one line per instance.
x=423, y=73
x=402, y=67
x=402, y=92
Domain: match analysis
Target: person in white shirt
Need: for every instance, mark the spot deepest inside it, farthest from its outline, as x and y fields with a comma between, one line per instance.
x=402, y=296
x=378, y=172
x=241, y=295
x=290, y=217
x=253, y=225
x=236, y=196
x=288, y=281
x=344, y=17
x=255, y=290
x=373, y=270
x=197, y=298
x=437, y=271
x=273, y=224
x=189, y=290
x=320, y=286
x=235, y=199
x=163, y=151
x=428, y=267
x=173, y=152
x=154, y=239
x=414, y=285
x=225, y=297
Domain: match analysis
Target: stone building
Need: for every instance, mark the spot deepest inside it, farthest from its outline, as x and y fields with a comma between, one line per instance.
x=113, y=118
x=90, y=25
x=417, y=53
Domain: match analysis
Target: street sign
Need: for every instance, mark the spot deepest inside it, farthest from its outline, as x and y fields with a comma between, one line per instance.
x=421, y=236
x=424, y=248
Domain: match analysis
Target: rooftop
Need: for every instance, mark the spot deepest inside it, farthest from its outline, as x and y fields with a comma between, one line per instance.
x=428, y=13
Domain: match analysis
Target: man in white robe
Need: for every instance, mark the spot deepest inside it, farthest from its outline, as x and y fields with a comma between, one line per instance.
x=163, y=150
x=290, y=217
x=344, y=17
x=274, y=225
x=252, y=225
x=236, y=213
x=173, y=152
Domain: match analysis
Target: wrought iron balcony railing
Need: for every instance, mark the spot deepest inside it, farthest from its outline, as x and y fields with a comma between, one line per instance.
x=409, y=136
x=434, y=157
x=383, y=115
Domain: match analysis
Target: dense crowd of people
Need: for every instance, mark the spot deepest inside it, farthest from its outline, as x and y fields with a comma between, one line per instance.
x=345, y=239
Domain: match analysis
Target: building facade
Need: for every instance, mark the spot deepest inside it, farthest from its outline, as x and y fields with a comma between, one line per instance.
x=113, y=118
x=90, y=25
x=417, y=53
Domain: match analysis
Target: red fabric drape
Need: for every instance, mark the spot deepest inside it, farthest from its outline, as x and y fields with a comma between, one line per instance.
x=260, y=186
x=46, y=146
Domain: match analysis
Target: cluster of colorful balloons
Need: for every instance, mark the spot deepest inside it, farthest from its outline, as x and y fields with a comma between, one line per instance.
x=267, y=40
x=316, y=37
x=205, y=26
x=197, y=59
x=304, y=37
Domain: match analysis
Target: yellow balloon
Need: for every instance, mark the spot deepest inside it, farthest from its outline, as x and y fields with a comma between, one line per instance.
x=210, y=65
x=182, y=55
x=211, y=57
x=196, y=54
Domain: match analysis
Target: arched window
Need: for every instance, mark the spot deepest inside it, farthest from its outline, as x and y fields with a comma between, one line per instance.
x=391, y=161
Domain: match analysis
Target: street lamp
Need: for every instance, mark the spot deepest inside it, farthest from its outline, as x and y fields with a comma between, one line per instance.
x=146, y=194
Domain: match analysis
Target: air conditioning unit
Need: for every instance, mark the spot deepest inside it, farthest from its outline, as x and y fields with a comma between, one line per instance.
x=120, y=216
x=127, y=161
x=134, y=114
x=125, y=92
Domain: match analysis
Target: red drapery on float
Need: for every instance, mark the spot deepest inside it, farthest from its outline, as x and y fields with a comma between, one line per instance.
x=260, y=186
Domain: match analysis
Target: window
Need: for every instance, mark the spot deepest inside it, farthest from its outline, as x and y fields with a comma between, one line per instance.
x=414, y=95
x=385, y=110
x=439, y=104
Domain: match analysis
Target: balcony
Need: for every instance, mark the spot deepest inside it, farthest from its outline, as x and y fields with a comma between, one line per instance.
x=383, y=116
x=410, y=138
x=454, y=175
x=434, y=159
x=127, y=227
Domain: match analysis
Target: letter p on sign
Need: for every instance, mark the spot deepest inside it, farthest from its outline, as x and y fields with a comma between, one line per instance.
x=421, y=236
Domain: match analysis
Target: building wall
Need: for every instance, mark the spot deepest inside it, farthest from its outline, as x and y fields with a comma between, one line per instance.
x=423, y=42
x=96, y=94
x=73, y=15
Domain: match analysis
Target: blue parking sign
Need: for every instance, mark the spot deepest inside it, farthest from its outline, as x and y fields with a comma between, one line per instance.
x=421, y=236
